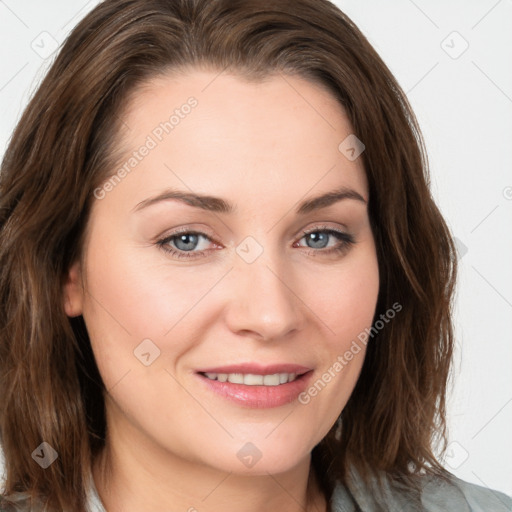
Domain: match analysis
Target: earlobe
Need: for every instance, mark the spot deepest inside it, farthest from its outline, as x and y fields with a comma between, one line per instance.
x=73, y=291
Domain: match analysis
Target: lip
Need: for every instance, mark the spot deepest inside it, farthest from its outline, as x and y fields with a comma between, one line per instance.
x=258, y=397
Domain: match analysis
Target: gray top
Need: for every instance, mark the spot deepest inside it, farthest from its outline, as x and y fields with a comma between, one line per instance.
x=436, y=496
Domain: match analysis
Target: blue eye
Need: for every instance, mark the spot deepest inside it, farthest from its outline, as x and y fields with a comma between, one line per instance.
x=185, y=242
x=318, y=239
x=193, y=244
x=321, y=238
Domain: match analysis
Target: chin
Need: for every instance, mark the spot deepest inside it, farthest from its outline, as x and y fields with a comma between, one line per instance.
x=261, y=456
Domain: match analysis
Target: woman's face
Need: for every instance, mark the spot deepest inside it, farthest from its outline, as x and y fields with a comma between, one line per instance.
x=228, y=242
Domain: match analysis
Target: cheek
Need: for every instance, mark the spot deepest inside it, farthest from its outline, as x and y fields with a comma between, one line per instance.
x=134, y=296
x=345, y=300
x=344, y=297
x=140, y=289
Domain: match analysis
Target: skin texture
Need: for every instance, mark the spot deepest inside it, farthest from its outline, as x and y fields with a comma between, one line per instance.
x=264, y=147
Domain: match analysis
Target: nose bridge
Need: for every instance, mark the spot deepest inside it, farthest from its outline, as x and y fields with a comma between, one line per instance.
x=262, y=301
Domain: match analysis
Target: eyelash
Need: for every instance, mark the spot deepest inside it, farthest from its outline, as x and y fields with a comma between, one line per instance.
x=346, y=241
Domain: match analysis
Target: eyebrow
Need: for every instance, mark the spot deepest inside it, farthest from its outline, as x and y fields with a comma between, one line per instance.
x=219, y=205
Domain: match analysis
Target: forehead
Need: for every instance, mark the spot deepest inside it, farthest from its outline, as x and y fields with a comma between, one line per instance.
x=229, y=98
x=283, y=131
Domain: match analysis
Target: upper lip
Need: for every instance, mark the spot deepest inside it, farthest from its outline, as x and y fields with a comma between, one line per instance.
x=257, y=369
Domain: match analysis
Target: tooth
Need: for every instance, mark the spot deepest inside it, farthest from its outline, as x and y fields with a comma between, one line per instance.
x=271, y=380
x=250, y=379
x=253, y=380
x=236, y=378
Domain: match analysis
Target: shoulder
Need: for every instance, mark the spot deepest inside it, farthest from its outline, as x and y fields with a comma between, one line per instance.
x=20, y=502
x=463, y=496
x=13, y=505
x=436, y=495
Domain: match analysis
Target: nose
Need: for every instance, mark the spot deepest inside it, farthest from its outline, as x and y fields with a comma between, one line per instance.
x=262, y=301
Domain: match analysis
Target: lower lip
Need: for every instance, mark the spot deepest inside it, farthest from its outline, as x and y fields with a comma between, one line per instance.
x=259, y=397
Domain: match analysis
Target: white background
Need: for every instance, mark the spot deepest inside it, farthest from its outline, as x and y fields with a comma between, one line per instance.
x=463, y=102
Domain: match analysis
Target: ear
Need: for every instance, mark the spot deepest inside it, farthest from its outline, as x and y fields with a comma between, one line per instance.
x=73, y=292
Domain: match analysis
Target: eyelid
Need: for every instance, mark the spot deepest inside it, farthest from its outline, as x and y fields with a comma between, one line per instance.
x=322, y=227
x=209, y=234
x=187, y=229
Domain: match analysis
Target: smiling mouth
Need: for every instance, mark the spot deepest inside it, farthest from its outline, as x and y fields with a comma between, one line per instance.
x=266, y=387
x=251, y=379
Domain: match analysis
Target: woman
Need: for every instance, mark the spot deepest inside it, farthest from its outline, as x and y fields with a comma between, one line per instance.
x=224, y=281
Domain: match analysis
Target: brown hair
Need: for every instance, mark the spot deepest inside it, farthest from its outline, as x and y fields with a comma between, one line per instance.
x=64, y=146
